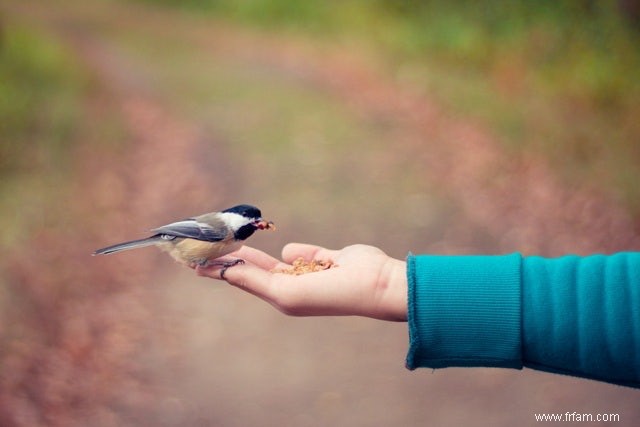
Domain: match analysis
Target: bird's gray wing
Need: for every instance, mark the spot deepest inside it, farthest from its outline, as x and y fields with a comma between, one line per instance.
x=194, y=229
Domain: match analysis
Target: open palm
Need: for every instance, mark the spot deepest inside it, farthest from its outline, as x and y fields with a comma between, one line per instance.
x=365, y=282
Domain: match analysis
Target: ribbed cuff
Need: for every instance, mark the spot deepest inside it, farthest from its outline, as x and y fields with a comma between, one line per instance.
x=464, y=311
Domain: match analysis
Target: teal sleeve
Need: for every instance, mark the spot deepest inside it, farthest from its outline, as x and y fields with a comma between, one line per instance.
x=581, y=316
x=464, y=311
x=571, y=315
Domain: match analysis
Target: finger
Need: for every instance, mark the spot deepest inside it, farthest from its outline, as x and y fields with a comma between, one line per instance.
x=293, y=295
x=293, y=251
x=216, y=269
x=248, y=277
x=257, y=257
x=245, y=275
x=306, y=295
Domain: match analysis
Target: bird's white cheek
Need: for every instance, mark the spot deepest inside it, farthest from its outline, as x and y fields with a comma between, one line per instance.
x=234, y=221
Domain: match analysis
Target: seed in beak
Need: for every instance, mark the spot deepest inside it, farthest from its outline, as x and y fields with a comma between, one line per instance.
x=265, y=225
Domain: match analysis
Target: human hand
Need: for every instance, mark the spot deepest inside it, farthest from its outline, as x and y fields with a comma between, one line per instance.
x=365, y=282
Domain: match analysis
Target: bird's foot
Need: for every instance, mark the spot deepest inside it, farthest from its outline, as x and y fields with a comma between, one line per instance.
x=224, y=264
x=227, y=264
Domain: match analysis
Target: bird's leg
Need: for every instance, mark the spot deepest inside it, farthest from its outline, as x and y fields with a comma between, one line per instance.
x=224, y=264
x=227, y=264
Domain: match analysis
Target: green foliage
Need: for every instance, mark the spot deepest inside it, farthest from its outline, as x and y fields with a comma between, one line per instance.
x=40, y=94
x=462, y=30
x=556, y=77
x=38, y=101
x=584, y=49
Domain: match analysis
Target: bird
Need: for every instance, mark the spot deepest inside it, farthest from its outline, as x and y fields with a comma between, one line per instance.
x=200, y=240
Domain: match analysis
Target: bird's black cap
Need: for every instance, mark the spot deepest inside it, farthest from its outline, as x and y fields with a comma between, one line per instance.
x=246, y=211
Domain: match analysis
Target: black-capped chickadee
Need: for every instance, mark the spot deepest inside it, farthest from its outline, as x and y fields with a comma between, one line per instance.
x=202, y=239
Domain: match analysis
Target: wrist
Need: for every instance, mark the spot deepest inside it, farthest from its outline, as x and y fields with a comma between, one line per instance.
x=395, y=290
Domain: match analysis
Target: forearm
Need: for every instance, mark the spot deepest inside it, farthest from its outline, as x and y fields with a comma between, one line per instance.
x=578, y=316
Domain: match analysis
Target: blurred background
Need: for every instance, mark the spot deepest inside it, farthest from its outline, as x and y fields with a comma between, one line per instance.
x=425, y=126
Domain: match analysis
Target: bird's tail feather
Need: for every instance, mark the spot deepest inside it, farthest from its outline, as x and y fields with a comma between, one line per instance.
x=128, y=245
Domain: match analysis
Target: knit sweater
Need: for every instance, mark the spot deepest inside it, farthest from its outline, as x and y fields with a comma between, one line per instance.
x=571, y=315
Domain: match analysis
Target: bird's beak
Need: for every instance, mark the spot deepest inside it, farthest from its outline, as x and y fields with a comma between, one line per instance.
x=262, y=224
